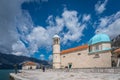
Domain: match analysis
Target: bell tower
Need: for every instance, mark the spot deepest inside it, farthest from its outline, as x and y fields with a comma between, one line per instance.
x=56, y=51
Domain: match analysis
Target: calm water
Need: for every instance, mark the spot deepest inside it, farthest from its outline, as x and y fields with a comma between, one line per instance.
x=4, y=74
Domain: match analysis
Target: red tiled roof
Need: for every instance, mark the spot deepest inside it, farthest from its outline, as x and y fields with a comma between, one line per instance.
x=117, y=51
x=74, y=49
x=29, y=63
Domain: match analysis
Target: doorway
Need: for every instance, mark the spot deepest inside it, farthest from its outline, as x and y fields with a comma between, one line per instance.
x=69, y=65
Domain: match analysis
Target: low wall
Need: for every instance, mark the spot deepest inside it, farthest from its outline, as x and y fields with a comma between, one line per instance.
x=88, y=70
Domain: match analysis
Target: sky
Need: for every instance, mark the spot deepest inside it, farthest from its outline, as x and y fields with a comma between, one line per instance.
x=28, y=26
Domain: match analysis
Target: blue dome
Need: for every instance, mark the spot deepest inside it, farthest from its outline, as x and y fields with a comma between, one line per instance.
x=99, y=38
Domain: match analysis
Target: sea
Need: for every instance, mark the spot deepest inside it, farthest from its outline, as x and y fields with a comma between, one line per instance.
x=4, y=74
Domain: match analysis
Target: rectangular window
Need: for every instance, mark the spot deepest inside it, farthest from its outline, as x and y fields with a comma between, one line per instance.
x=90, y=48
x=101, y=47
x=97, y=47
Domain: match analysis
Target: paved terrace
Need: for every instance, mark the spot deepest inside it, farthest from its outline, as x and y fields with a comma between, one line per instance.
x=63, y=75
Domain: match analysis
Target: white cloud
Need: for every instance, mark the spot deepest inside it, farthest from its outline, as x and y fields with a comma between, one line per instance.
x=19, y=49
x=86, y=17
x=110, y=25
x=12, y=16
x=50, y=20
x=42, y=57
x=39, y=35
x=22, y=38
x=42, y=36
x=100, y=7
x=103, y=22
x=74, y=26
x=50, y=57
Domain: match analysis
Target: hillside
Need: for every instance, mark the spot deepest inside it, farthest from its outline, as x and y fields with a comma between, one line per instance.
x=7, y=61
x=116, y=42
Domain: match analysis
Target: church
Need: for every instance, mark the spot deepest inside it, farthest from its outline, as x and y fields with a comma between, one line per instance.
x=95, y=54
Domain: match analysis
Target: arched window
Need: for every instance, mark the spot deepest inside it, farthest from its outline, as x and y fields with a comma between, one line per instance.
x=56, y=41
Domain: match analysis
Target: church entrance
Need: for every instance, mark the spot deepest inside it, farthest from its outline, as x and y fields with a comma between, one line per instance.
x=69, y=65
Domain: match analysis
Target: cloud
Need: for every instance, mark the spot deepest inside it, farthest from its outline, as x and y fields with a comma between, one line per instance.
x=74, y=26
x=42, y=57
x=110, y=25
x=86, y=17
x=39, y=35
x=100, y=7
x=103, y=22
x=20, y=37
x=11, y=15
x=42, y=36
x=50, y=57
x=19, y=49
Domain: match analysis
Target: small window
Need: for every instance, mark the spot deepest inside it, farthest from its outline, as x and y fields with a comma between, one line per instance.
x=90, y=48
x=97, y=47
x=56, y=41
x=100, y=47
x=79, y=53
x=96, y=56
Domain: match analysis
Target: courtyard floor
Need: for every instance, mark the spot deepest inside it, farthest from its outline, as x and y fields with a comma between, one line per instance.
x=39, y=75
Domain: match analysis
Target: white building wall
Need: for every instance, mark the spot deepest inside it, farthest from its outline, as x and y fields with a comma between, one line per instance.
x=28, y=67
x=86, y=60
x=56, y=48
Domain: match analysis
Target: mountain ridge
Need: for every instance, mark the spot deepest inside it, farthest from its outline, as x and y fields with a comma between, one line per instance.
x=116, y=42
x=7, y=61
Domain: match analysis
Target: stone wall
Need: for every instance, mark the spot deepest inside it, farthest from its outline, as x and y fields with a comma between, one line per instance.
x=86, y=60
x=88, y=70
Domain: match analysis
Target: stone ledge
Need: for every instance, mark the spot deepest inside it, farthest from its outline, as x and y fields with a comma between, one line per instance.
x=14, y=76
x=89, y=70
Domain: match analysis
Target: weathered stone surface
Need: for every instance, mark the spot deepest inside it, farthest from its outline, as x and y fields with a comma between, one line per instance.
x=65, y=74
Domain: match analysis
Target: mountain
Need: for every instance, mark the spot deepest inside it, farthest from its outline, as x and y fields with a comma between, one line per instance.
x=116, y=42
x=7, y=61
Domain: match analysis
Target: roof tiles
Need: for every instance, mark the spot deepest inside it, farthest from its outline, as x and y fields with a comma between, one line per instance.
x=74, y=49
x=29, y=63
x=117, y=51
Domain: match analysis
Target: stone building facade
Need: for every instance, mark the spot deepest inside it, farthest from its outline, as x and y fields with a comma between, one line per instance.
x=97, y=53
x=29, y=65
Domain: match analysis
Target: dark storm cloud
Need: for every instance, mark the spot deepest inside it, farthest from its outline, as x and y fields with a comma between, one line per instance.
x=9, y=11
